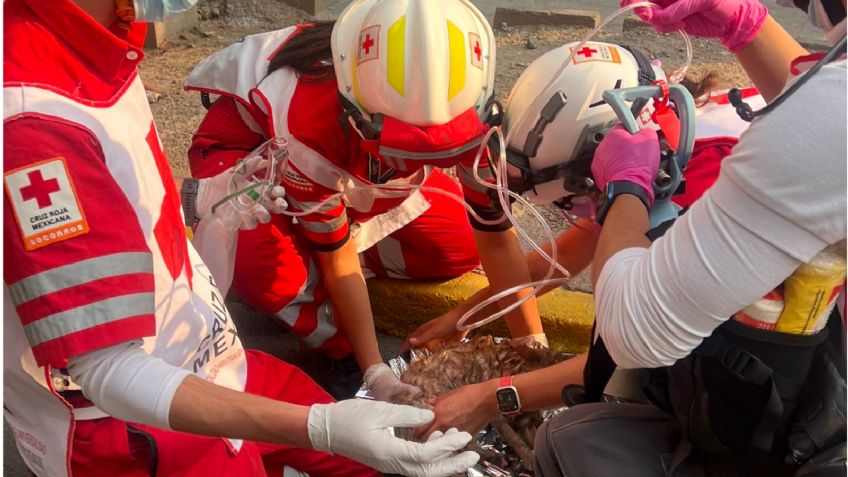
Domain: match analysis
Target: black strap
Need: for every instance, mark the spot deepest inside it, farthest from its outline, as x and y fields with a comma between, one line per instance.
x=820, y=422
x=205, y=100
x=598, y=370
x=748, y=369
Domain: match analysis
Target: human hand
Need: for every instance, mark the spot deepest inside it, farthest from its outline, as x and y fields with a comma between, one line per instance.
x=734, y=22
x=361, y=429
x=622, y=156
x=469, y=408
x=538, y=340
x=435, y=333
x=213, y=190
x=382, y=383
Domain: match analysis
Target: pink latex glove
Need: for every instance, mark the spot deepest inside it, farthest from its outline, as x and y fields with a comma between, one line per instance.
x=622, y=156
x=734, y=22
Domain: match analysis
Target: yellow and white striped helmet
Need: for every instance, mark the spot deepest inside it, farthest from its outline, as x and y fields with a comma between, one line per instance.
x=423, y=62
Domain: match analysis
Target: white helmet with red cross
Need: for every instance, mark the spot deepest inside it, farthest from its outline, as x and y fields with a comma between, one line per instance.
x=571, y=115
x=416, y=75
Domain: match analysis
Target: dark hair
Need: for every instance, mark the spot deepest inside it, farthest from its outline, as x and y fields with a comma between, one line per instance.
x=701, y=88
x=308, y=52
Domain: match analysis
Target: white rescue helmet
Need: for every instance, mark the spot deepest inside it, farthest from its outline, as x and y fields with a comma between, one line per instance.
x=416, y=77
x=550, y=152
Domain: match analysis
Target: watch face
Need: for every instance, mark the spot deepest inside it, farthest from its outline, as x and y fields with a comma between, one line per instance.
x=508, y=400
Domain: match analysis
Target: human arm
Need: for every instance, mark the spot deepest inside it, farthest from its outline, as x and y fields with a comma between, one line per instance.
x=768, y=58
x=745, y=236
x=498, y=248
x=575, y=248
x=503, y=262
x=763, y=48
x=351, y=306
x=471, y=407
x=352, y=311
x=132, y=386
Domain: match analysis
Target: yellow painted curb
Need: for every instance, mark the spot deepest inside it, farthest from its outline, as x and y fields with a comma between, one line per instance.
x=400, y=306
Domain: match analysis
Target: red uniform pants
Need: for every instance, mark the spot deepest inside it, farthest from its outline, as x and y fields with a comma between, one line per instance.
x=275, y=270
x=109, y=447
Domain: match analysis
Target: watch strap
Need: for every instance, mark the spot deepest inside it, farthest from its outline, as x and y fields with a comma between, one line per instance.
x=617, y=188
x=505, y=382
x=188, y=196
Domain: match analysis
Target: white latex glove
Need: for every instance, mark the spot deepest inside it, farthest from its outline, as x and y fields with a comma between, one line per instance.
x=539, y=340
x=361, y=430
x=382, y=383
x=213, y=190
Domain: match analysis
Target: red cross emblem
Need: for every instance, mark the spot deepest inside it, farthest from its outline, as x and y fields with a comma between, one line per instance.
x=40, y=189
x=44, y=203
x=596, y=52
x=476, y=50
x=587, y=52
x=369, y=44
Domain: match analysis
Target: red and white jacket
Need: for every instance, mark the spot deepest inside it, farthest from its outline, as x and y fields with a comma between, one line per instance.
x=717, y=130
x=324, y=159
x=94, y=242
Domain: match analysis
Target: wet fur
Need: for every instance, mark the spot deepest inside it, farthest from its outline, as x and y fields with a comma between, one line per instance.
x=476, y=361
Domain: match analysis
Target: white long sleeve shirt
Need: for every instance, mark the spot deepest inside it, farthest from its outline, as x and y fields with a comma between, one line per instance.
x=779, y=201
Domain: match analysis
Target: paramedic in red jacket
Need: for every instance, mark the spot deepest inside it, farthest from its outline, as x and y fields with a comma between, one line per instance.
x=379, y=97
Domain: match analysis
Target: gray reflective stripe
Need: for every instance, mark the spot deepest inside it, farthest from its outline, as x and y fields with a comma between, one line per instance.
x=304, y=206
x=84, y=317
x=391, y=257
x=306, y=294
x=325, y=327
x=387, y=151
x=80, y=272
x=324, y=227
x=466, y=176
x=289, y=472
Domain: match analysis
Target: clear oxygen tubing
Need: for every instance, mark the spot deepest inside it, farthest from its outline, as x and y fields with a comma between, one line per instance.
x=238, y=197
x=503, y=192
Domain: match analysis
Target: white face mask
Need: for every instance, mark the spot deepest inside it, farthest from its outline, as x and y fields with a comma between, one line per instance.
x=160, y=10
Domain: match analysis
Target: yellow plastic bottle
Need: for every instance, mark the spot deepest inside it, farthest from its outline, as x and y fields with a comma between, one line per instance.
x=810, y=293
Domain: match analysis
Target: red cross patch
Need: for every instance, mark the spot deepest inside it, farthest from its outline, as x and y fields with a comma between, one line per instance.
x=476, y=50
x=645, y=117
x=594, y=52
x=369, y=44
x=45, y=203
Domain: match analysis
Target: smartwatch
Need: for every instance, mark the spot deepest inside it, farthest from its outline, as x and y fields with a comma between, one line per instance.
x=507, y=397
x=617, y=188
